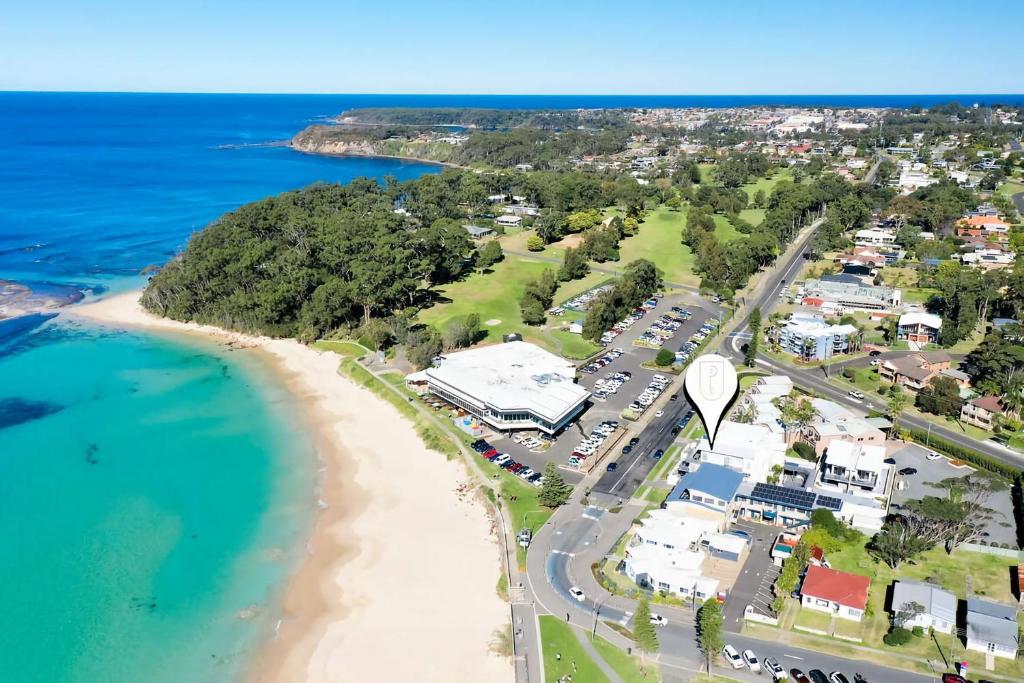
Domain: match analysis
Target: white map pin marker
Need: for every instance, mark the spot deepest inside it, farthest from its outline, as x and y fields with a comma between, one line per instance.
x=711, y=386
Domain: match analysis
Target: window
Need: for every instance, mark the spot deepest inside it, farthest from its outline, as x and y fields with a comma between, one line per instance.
x=663, y=586
x=821, y=603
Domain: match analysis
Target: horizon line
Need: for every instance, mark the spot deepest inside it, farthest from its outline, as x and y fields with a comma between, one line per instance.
x=498, y=94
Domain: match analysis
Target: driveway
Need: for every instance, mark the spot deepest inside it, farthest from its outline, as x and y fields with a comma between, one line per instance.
x=754, y=583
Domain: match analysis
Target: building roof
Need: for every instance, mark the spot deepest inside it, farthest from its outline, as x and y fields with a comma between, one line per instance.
x=510, y=377
x=992, y=404
x=921, y=318
x=850, y=590
x=477, y=231
x=745, y=441
x=855, y=456
x=937, y=602
x=716, y=480
x=991, y=622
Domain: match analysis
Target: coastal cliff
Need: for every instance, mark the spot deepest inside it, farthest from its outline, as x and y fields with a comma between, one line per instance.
x=340, y=140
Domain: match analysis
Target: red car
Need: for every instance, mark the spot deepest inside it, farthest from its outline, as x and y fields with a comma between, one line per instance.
x=490, y=453
x=798, y=676
x=492, y=456
x=953, y=678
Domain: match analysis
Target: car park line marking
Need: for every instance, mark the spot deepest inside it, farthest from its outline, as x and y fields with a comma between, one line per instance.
x=563, y=552
x=794, y=657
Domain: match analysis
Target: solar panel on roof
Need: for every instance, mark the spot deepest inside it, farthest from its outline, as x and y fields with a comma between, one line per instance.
x=830, y=502
x=780, y=495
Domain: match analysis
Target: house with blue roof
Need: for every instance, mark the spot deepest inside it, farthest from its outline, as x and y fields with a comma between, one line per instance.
x=712, y=487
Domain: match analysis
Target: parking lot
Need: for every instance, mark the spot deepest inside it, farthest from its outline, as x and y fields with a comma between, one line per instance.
x=611, y=406
x=1002, y=529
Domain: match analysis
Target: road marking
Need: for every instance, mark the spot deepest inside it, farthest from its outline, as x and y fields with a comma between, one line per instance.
x=762, y=362
x=562, y=552
x=589, y=516
x=794, y=657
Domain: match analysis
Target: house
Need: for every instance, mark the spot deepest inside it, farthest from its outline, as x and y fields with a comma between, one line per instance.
x=982, y=411
x=476, y=232
x=992, y=628
x=752, y=450
x=916, y=371
x=853, y=466
x=855, y=296
x=510, y=386
x=711, y=486
x=939, y=605
x=522, y=210
x=919, y=327
x=987, y=223
x=810, y=339
x=838, y=593
x=834, y=422
x=508, y=221
x=873, y=237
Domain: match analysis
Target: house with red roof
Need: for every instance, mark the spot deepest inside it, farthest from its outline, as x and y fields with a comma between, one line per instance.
x=982, y=411
x=834, y=592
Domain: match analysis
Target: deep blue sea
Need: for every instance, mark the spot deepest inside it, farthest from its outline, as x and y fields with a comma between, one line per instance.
x=155, y=491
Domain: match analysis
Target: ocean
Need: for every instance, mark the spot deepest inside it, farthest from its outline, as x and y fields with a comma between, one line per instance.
x=157, y=491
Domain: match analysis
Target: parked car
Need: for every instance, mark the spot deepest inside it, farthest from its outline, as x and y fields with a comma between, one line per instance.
x=577, y=593
x=657, y=454
x=733, y=657
x=876, y=362
x=771, y=665
x=612, y=466
x=837, y=677
x=627, y=449
x=932, y=455
x=953, y=678
x=817, y=676
x=908, y=471
x=634, y=441
x=798, y=676
x=856, y=394
x=875, y=353
x=658, y=620
x=751, y=661
x=659, y=413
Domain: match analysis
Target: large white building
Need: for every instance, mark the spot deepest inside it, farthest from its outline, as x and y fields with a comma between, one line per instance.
x=751, y=449
x=856, y=467
x=509, y=386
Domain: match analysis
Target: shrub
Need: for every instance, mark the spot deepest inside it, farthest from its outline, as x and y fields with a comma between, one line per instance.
x=918, y=631
x=665, y=358
x=897, y=637
x=973, y=457
x=534, y=243
x=805, y=451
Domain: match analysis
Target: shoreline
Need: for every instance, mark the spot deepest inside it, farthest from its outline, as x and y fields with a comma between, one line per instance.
x=339, y=155
x=398, y=552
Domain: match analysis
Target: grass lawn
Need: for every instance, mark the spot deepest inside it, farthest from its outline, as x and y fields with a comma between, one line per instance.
x=748, y=380
x=495, y=295
x=753, y=216
x=899, y=277
x=918, y=295
x=557, y=638
x=809, y=618
x=659, y=240
x=1011, y=188
x=629, y=668
x=724, y=230
x=694, y=429
x=865, y=379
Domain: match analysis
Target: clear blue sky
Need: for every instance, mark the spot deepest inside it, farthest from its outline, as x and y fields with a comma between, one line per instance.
x=556, y=46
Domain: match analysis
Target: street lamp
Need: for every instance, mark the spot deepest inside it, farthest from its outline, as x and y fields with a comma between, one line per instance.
x=597, y=613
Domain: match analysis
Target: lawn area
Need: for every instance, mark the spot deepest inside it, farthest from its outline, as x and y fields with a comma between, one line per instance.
x=767, y=184
x=629, y=668
x=557, y=638
x=809, y=618
x=753, y=216
x=918, y=295
x=694, y=429
x=724, y=230
x=1011, y=188
x=659, y=240
x=865, y=379
x=899, y=277
x=495, y=295
x=749, y=379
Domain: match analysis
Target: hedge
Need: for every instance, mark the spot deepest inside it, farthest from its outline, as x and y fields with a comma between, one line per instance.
x=983, y=461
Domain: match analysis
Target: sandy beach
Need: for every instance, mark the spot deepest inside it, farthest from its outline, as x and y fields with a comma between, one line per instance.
x=400, y=581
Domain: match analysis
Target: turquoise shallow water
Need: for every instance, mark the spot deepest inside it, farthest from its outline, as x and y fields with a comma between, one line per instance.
x=152, y=489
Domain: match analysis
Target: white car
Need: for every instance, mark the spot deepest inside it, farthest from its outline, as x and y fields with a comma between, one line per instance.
x=777, y=672
x=751, y=660
x=733, y=657
x=658, y=620
x=659, y=413
x=876, y=362
x=932, y=455
x=577, y=593
x=857, y=395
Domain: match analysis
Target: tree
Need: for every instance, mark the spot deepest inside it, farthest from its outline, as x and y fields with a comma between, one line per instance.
x=554, y=491
x=796, y=412
x=643, y=630
x=664, y=358
x=962, y=514
x=422, y=345
x=759, y=199
x=900, y=540
x=535, y=243
x=755, y=332
x=941, y=397
x=574, y=265
x=489, y=254
x=907, y=612
x=896, y=402
x=674, y=202
x=462, y=332
x=709, y=630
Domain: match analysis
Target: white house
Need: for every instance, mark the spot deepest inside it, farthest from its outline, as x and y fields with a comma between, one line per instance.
x=874, y=237
x=751, y=449
x=508, y=221
x=834, y=592
x=851, y=466
x=992, y=628
x=939, y=605
x=666, y=554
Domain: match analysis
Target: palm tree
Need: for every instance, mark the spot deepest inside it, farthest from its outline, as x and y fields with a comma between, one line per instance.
x=896, y=403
